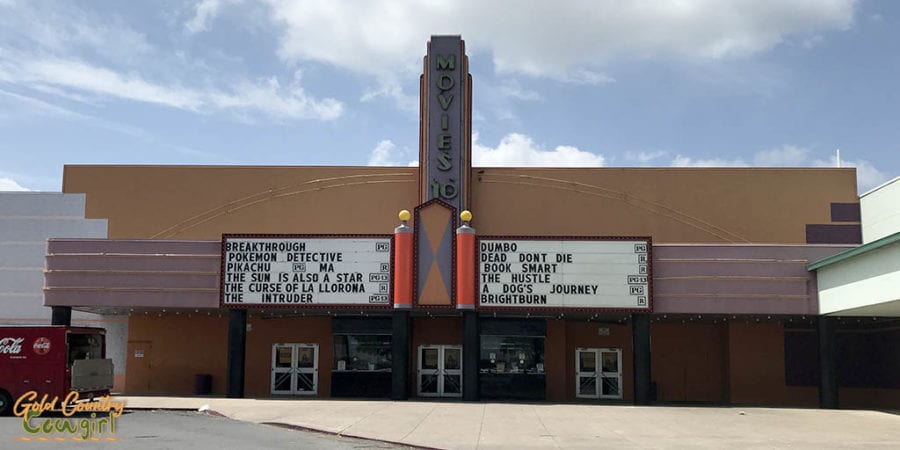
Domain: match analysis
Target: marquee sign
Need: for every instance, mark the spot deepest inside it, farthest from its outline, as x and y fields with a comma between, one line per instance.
x=306, y=271
x=571, y=273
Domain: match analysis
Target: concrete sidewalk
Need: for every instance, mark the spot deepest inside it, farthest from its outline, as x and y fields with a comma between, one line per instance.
x=457, y=425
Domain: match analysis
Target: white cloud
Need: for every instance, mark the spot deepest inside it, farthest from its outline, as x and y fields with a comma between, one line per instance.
x=686, y=161
x=585, y=76
x=265, y=96
x=92, y=57
x=643, y=157
x=386, y=153
x=8, y=184
x=786, y=155
x=388, y=87
x=385, y=36
x=513, y=88
x=383, y=154
x=867, y=176
x=514, y=150
x=519, y=150
x=204, y=13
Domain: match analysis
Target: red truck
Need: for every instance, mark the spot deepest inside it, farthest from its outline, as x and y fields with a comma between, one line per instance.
x=52, y=360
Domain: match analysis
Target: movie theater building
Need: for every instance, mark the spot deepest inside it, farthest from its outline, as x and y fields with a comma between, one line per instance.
x=602, y=284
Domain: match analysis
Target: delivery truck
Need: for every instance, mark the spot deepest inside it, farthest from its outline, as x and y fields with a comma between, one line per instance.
x=53, y=360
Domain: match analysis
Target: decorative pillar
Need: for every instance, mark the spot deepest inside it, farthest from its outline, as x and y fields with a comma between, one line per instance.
x=828, y=385
x=237, y=348
x=465, y=301
x=61, y=315
x=403, y=299
x=640, y=334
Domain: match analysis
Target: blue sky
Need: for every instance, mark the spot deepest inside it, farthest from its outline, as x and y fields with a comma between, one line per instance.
x=562, y=83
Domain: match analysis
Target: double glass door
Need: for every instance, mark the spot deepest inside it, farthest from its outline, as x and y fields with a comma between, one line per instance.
x=440, y=371
x=295, y=369
x=598, y=373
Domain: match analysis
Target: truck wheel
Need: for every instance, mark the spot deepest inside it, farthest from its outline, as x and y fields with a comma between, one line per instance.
x=5, y=403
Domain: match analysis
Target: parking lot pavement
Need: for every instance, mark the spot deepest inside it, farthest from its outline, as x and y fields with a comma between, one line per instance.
x=464, y=425
x=179, y=429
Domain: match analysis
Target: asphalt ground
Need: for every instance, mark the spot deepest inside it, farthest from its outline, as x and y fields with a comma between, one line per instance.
x=489, y=425
x=155, y=429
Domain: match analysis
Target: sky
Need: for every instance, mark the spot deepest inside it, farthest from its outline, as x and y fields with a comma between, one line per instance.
x=708, y=83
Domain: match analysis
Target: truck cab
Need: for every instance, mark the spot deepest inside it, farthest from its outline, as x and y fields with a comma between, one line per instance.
x=53, y=360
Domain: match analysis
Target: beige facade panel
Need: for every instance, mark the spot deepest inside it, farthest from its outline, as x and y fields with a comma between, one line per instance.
x=674, y=205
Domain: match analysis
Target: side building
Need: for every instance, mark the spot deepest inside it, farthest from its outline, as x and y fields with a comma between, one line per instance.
x=27, y=221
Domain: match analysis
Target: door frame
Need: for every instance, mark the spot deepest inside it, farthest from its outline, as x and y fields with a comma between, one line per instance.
x=441, y=370
x=295, y=369
x=598, y=373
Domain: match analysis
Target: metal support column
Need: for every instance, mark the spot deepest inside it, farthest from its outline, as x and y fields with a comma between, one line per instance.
x=828, y=385
x=640, y=334
x=471, y=352
x=237, y=348
x=400, y=356
x=61, y=315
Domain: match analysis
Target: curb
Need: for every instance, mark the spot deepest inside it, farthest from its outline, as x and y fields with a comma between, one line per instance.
x=352, y=436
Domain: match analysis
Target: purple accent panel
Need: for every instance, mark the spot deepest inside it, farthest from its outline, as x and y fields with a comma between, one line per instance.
x=731, y=287
x=132, y=273
x=162, y=298
x=833, y=234
x=425, y=259
x=445, y=257
x=134, y=246
x=89, y=279
x=728, y=267
x=663, y=305
x=845, y=212
x=162, y=263
x=736, y=279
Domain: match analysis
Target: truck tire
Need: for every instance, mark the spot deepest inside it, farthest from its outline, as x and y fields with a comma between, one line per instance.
x=6, y=403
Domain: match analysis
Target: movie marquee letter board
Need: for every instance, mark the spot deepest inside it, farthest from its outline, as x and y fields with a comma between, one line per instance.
x=306, y=271
x=569, y=273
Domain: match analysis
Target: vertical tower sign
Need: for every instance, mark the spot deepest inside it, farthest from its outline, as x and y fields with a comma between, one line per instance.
x=445, y=147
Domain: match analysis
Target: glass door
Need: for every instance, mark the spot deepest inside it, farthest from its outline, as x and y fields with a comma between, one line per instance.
x=586, y=373
x=440, y=371
x=610, y=373
x=295, y=369
x=598, y=373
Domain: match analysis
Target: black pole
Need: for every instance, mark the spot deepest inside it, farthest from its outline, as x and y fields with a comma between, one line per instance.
x=237, y=347
x=61, y=315
x=828, y=383
x=400, y=356
x=640, y=334
x=471, y=352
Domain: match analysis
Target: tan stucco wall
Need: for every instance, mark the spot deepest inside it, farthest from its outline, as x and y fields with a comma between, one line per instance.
x=197, y=202
x=669, y=204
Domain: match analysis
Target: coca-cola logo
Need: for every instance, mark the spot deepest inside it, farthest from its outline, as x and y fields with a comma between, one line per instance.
x=11, y=346
x=41, y=345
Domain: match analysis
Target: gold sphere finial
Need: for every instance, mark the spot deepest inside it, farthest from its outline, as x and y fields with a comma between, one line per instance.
x=466, y=216
x=404, y=215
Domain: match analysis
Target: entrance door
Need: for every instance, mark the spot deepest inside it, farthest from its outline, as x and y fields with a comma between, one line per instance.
x=295, y=369
x=440, y=371
x=598, y=373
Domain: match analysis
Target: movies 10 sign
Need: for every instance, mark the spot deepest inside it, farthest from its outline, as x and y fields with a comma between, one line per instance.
x=563, y=274
x=301, y=271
